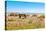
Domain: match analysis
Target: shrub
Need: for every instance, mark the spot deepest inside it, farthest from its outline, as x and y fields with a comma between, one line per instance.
x=11, y=19
x=30, y=21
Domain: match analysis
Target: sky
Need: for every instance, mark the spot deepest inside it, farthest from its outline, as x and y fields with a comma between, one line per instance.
x=25, y=7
